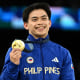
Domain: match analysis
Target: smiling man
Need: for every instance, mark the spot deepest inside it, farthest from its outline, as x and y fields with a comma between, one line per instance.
x=38, y=23
x=47, y=60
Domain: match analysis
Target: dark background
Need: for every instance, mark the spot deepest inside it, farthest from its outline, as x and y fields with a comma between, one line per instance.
x=68, y=39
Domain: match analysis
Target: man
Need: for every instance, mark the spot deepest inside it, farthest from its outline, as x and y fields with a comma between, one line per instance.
x=47, y=60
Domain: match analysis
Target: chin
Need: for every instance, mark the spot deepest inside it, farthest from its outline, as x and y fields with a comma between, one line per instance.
x=41, y=35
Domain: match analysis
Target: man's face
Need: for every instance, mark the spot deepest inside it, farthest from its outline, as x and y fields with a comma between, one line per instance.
x=38, y=23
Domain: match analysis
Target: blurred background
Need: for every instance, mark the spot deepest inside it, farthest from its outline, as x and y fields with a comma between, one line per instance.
x=65, y=28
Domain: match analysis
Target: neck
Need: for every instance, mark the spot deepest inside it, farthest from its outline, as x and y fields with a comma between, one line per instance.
x=39, y=36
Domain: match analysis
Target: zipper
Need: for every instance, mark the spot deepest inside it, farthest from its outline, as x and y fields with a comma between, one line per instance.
x=42, y=61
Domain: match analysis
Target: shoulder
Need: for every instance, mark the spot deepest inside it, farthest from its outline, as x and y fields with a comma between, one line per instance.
x=59, y=48
x=56, y=45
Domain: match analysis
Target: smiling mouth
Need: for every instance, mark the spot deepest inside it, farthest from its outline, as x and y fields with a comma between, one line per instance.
x=40, y=27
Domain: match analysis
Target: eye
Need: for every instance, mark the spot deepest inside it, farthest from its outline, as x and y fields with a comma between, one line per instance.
x=34, y=20
x=44, y=18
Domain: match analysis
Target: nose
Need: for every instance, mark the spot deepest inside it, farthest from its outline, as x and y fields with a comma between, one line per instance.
x=40, y=22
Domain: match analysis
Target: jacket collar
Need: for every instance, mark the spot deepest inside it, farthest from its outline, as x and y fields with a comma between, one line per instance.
x=31, y=38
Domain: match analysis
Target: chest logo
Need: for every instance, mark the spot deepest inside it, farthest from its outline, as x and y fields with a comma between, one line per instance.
x=55, y=59
x=30, y=60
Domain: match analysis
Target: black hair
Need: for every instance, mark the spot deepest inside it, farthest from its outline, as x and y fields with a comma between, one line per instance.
x=29, y=9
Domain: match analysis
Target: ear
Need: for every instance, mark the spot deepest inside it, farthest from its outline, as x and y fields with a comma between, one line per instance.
x=49, y=23
x=25, y=26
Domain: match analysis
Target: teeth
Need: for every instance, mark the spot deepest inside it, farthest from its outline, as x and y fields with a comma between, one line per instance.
x=40, y=27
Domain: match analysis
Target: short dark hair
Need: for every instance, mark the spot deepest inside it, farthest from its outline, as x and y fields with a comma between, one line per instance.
x=29, y=9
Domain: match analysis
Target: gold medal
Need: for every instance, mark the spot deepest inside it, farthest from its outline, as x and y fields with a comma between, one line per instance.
x=18, y=44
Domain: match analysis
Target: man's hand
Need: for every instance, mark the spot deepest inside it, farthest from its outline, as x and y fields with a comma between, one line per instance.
x=15, y=56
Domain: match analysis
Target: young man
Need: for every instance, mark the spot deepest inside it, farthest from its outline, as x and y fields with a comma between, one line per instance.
x=47, y=60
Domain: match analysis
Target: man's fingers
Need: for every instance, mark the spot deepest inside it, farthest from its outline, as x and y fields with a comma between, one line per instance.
x=15, y=53
x=15, y=49
x=15, y=56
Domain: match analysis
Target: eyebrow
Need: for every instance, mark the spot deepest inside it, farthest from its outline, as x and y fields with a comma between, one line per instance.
x=41, y=16
x=44, y=16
